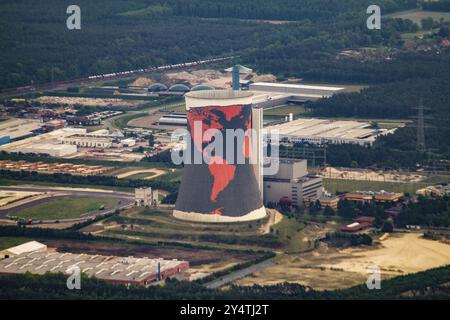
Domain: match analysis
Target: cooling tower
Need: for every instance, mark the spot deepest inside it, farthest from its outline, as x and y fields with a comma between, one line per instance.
x=219, y=190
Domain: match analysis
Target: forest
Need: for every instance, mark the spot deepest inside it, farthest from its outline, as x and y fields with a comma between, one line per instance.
x=119, y=35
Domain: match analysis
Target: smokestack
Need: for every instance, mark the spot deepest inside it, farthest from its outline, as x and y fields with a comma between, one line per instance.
x=158, y=271
x=236, y=72
x=220, y=191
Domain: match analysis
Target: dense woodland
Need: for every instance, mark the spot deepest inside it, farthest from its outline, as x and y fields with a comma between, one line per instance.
x=119, y=35
x=441, y=5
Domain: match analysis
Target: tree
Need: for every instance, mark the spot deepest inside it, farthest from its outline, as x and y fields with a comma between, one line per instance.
x=427, y=23
x=388, y=226
x=329, y=211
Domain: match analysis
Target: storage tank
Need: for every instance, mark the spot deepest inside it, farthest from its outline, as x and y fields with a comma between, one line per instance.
x=219, y=190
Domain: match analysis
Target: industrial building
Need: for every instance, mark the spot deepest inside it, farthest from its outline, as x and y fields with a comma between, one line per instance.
x=268, y=95
x=360, y=223
x=16, y=129
x=173, y=119
x=323, y=131
x=331, y=202
x=368, y=196
x=146, y=197
x=296, y=89
x=24, y=248
x=98, y=139
x=47, y=143
x=65, y=142
x=219, y=192
x=292, y=182
x=53, y=125
x=119, y=270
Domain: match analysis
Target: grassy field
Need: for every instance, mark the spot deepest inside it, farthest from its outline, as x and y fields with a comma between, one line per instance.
x=438, y=179
x=144, y=175
x=153, y=226
x=285, y=110
x=122, y=122
x=340, y=185
x=8, y=242
x=10, y=182
x=172, y=176
x=417, y=15
x=65, y=208
x=289, y=230
x=175, y=108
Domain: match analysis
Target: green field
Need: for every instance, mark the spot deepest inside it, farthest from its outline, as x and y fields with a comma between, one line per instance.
x=8, y=242
x=340, y=185
x=171, y=176
x=417, y=15
x=65, y=208
x=289, y=230
x=175, y=108
x=285, y=110
x=122, y=122
x=144, y=175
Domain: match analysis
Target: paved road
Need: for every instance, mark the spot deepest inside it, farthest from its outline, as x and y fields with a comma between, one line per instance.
x=238, y=275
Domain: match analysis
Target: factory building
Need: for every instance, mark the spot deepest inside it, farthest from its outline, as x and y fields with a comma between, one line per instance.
x=268, y=95
x=292, y=182
x=24, y=248
x=53, y=125
x=369, y=196
x=53, y=150
x=322, y=131
x=173, y=119
x=307, y=91
x=217, y=191
x=47, y=143
x=17, y=129
x=119, y=270
x=98, y=139
x=146, y=197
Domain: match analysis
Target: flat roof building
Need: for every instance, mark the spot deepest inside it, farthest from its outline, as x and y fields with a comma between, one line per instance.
x=28, y=247
x=292, y=182
x=323, y=131
x=120, y=270
x=17, y=129
x=296, y=89
x=47, y=143
x=331, y=202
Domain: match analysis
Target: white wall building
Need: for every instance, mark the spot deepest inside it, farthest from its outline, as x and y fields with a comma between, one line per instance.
x=292, y=181
x=146, y=197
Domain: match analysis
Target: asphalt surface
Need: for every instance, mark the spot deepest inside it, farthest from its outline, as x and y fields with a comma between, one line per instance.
x=238, y=275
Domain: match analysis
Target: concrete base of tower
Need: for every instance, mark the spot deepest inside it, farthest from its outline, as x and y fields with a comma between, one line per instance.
x=214, y=218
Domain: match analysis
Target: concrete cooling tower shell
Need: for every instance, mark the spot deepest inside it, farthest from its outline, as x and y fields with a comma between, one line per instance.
x=218, y=191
